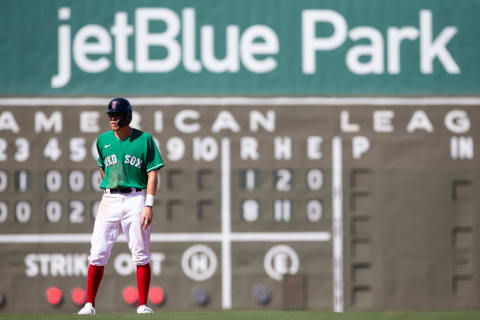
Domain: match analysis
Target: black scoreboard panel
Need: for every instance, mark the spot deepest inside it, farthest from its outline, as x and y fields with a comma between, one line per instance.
x=320, y=207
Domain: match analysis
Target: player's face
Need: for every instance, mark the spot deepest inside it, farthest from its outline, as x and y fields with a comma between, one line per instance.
x=114, y=117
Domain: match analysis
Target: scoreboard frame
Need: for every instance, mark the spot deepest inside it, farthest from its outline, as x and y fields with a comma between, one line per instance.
x=226, y=237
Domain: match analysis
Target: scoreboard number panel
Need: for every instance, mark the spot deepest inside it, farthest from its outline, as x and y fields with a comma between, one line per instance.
x=312, y=203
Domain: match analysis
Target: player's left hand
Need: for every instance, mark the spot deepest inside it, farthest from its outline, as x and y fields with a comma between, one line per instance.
x=146, y=218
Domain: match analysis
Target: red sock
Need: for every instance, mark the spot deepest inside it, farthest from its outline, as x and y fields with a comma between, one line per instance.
x=95, y=274
x=143, y=283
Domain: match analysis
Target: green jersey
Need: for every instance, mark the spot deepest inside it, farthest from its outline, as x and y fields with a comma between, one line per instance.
x=126, y=163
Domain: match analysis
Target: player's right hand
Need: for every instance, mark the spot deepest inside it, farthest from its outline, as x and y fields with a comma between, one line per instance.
x=146, y=218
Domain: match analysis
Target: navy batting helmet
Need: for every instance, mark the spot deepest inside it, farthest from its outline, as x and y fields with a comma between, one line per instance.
x=121, y=105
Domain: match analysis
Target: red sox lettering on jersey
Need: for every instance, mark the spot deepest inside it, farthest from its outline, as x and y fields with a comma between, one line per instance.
x=132, y=160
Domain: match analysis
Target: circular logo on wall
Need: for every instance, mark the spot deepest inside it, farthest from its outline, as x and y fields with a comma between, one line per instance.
x=281, y=260
x=199, y=262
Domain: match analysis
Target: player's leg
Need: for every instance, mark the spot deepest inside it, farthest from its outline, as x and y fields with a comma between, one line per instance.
x=105, y=232
x=143, y=283
x=139, y=243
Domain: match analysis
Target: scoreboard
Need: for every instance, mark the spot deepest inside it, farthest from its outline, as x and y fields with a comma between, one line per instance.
x=264, y=203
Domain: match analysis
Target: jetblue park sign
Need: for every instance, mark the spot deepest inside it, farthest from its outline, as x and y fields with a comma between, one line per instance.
x=241, y=50
x=239, y=47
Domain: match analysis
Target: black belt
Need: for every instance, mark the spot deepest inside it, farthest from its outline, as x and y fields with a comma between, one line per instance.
x=123, y=190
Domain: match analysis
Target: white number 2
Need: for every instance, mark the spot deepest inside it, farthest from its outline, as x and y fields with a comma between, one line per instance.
x=283, y=180
x=22, y=153
x=3, y=149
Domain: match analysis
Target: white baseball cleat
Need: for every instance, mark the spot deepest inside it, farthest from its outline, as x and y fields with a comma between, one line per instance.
x=144, y=309
x=87, y=309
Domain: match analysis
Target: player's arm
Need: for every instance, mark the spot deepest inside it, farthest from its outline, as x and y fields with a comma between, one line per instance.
x=100, y=161
x=152, y=182
x=147, y=214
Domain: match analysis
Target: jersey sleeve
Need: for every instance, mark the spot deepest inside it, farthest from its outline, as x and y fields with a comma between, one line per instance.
x=100, y=161
x=154, y=159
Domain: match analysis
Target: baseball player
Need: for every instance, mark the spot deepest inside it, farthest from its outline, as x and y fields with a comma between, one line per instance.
x=128, y=159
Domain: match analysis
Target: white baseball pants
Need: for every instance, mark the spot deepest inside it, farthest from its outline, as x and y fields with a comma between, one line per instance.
x=119, y=212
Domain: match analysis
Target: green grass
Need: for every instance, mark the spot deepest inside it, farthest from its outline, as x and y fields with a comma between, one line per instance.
x=260, y=315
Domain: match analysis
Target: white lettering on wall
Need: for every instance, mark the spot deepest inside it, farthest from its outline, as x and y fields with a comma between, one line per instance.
x=374, y=50
x=225, y=121
x=267, y=121
x=181, y=123
x=121, y=31
x=382, y=120
x=42, y=123
x=158, y=121
x=314, y=147
x=64, y=51
x=56, y=265
x=166, y=39
x=8, y=122
x=395, y=38
x=345, y=124
x=83, y=46
x=283, y=148
x=249, y=148
x=89, y=121
x=457, y=121
x=70, y=265
x=430, y=49
x=311, y=44
x=360, y=146
x=461, y=148
x=419, y=121
x=255, y=48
